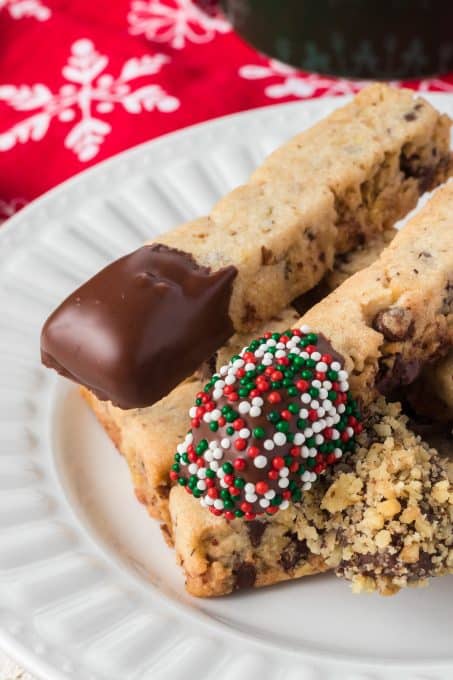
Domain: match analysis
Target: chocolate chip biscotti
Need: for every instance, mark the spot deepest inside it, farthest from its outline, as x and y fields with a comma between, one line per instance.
x=148, y=437
x=382, y=325
x=337, y=185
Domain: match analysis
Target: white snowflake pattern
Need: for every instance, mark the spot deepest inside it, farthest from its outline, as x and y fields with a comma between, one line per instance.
x=434, y=84
x=10, y=208
x=292, y=83
x=20, y=9
x=174, y=22
x=89, y=91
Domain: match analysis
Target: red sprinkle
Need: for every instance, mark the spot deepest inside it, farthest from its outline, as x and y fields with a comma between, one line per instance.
x=262, y=488
x=240, y=444
x=253, y=451
x=286, y=415
x=278, y=463
x=239, y=464
x=302, y=385
x=274, y=398
x=273, y=474
x=229, y=515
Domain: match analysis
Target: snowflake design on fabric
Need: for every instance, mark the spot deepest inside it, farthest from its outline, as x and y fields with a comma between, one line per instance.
x=10, y=208
x=89, y=91
x=295, y=84
x=175, y=22
x=434, y=85
x=20, y=9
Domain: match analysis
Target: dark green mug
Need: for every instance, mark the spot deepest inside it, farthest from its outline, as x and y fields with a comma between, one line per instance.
x=384, y=39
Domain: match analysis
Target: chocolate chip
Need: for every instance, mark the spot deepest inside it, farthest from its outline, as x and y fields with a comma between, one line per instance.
x=424, y=253
x=245, y=575
x=249, y=316
x=294, y=552
x=311, y=298
x=395, y=323
x=310, y=234
x=256, y=530
x=401, y=372
x=410, y=116
x=266, y=256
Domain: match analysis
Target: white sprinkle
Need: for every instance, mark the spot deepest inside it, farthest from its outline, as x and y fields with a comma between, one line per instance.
x=220, y=384
x=268, y=355
x=257, y=401
x=215, y=414
x=217, y=453
x=220, y=473
x=201, y=485
x=308, y=432
x=335, y=435
x=224, y=370
x=321, y=412
x=284, y=504
x=244, y=433
x=303, y=413
x=319, y=439
x=201, y=474
x=268, y=444
x=269, y=494
x=218, y=504
x=313, y=452
x=329, y=421
x=279, y=438
x=223, y=484
x=189, y=438
x=316, y=356
x=181, y=448
x=283, y=482
x=316, y=383
x=305, y=329
x=295, y=350
x=305, y=355
x=280, y=345
x=283, y=472
x=225, y=443
x=344, y=386
x=259, y=352
x=264, y=503
x=280, y=353
x=321, y=366
x=214, y=465
x=193, y=411
x=313, y=476
x=317, y=426
x=202, y=502
x=207, y=417
x=251, y=498
x=342, y=375
x=350, y=431
x=266, y=362
x=341, y=408
x=208, y=500
x=305, y=452
x=238, y=363
x=327, y=384
x=230, y=379
x=209, y=456
x=306, y=476
x=271, y=342
x=323, y=393
x=260, y=461
x=338, y=453
x=336, y=418
x=299, y=438
x=306, y=486
x=255, y=411
x=249, y=488
x=217, y=394
x=244, y=407
x=193, y=468
x=305, y=398
x=335, y=366
x=314, y=404
x=327, y=404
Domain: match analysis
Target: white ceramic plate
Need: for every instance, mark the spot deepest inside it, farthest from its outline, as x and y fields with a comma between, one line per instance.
x=88, y=588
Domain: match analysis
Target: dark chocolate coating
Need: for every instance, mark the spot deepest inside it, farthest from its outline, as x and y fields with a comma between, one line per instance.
x=140, y=326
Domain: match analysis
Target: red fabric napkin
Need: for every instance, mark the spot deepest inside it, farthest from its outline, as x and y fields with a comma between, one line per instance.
x=81, y=80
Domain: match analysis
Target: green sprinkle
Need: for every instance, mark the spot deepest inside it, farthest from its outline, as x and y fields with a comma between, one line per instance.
x=312, y=338
x=175, y=467
x=273, y=417
x=213, y=426
x=313, y=392
x=292, y=391
x=238, y=513
x=230, y=430
x=302, y=424
x=228, y=504
x=282, y=426
x=311, y=363
x=276, y=500
x=259, y=432
x=306, y=374
x=227, y=468
x=239, y=483
x=293, y=408
x=225, y=495
x=210, y=473
x=296, y=495
x=332, y=375
x=182, y=481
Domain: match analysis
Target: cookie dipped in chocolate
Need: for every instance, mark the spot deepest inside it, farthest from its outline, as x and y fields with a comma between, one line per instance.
x=267, y=424
x=141, y=325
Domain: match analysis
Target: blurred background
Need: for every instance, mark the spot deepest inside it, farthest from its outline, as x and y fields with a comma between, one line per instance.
x=83, y=80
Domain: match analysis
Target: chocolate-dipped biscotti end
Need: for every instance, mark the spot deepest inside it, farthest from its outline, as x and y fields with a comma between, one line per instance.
x=140, y=326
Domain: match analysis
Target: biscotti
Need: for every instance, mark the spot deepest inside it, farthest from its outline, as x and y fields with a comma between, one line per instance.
x=167, y=307
x=389, y=316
